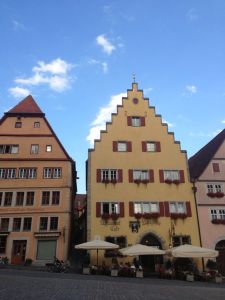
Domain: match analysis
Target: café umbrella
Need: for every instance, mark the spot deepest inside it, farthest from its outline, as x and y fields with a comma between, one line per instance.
x=191, y=251
x=97, y=245
x=140, y=249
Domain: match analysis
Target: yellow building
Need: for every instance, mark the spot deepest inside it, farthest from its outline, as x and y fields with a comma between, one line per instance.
x=138, y=183
x=37, y=180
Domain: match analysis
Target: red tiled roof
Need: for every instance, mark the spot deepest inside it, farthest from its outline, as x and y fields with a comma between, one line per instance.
x=26, y=106
x=199, y=161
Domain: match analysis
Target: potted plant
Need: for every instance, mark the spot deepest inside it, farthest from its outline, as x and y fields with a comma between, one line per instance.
x=138, y=181
x=105, y=216
x=211, y=194
x=138, y=216
x=176, y=181
x=105, y=180
x=168, y=181
x=145, y=181
x=115, y=216
x=219, y=194
x=113, y=181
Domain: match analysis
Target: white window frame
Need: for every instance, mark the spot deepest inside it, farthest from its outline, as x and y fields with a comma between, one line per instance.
x=217, y=213
x=146, y=207
x=57, y=173
x=175, y=207
x=13, y=149
x=140, y=174
x=34, y=149
x=11, y=173
x=109, y=174
x=171, y=175
x=136, y=121
x=48, y=223
x=48, y=148
x=122, y=146
x=151, y=146
x=214, y=188
x=113, y=207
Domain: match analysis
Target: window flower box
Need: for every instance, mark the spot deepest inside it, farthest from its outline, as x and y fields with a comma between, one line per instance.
x=137, y=181
x=211, y=194
x=219, y=194
x=178, y=216
x=145, y=181
x=138, y=216
x=105, y=181
x=114, y=216
x=105, y=216
x=176, y=181
x=154, y=215
x=113, y=181
x=168, y=181
x=216, y=221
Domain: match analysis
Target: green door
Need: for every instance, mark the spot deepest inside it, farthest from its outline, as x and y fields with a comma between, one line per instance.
x=46, y=249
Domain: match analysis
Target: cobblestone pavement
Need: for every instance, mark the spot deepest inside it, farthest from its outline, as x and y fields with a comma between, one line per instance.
x=20, y=284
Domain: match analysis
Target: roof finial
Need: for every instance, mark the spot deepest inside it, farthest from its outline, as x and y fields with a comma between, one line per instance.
x=133, y=77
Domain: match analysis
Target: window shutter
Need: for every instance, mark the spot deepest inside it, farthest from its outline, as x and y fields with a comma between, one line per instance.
x=131, y=209
x=98, y=209
x=158, y=147
x=188, y=208
x=216, y=167
x=161, y=209
x=120, y=175
x=98, y=175
x=161, y=176
x=129, y=147
x=144, y=147
x=151, y=175
x=129, y=121
x=121, y=209
x=182, y=176
x=130, y=173
x=167, y=209
x=142, y=121
x=115, y=147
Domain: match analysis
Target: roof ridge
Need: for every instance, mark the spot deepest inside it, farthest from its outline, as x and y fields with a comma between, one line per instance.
x=27, y=106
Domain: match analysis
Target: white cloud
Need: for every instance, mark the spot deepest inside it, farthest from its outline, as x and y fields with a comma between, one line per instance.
x=107, y=47
x=223, y=121
x=18, y=92
x=104, y=65
x=104, y=116
x=192, y=89
x=54, y=74
x=203, y=134
x=168, y=123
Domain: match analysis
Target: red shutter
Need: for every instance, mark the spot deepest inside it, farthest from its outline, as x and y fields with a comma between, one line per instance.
x=142, y=121
x=120, y=175
x=129, y=147
x=188, y=208
x=130, y=173
x=161, y=176
x=129, y=121
x=144, y=147
x=121, y=209
x=98, y=175
x=167, y=209
x=182, y=176
x=151, y=175
x=131, y=209
x=115, y=146
x=161, y=209
x=216, y=167
x=158, y=147
x=98, y=209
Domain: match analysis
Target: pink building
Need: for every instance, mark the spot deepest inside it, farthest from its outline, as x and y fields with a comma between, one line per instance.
x=207, y=170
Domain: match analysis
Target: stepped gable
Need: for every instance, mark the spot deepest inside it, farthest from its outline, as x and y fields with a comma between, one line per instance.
x=26, y=106
x=199, y=161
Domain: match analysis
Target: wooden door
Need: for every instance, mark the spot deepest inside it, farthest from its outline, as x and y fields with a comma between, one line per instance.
x=18, y=252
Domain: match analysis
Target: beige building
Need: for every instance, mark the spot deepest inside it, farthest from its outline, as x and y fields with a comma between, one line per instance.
x=138, y=183
x=37, y=186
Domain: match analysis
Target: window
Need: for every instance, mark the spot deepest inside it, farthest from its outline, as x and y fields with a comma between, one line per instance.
x=7, y=173
x=53, y=223
x=28, y=173
x=216, y=167
x=136, y=121
x=16, y=224
x=27, y=222
x=48, y=148
x=140, y=174
x=171, y=175
x=18, y=124
x=151, y=146
x=1, y=194
x=34, y=149
x=110, y=208
x=19, y=198
x=177, y=207
x=52, y=172
x=4, y=224
x=8, y=198
x=45, y=198
x=36, y=124
x=43, y=223
x=9, y=149
x=3, y=173
x=55, y=197
x=30, y=198
x=122, y=146
x=109, y=174
x=119, y=240
x=218, y=214
x=178, y=240
x=146, y=207
x=3, y=240
x=214, y=188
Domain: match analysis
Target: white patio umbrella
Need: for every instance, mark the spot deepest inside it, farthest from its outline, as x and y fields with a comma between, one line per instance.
x=140, y=249
x=96, y=245
x=191, y=251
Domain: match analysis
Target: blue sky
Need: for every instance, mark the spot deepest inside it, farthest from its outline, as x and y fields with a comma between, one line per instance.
x=77, y=57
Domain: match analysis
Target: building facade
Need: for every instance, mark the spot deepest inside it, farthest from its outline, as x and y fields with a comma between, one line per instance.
x=138, y=188
x=37, y=186
x=207, y=170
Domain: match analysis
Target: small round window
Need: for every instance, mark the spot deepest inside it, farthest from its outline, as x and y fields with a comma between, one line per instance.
x=135, y=100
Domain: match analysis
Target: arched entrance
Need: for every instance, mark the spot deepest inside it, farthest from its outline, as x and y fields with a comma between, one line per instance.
x=149, y=261
x=220, y=246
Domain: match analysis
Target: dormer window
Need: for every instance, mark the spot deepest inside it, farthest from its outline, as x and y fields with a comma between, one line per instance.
x=36, y=124
x=135, y=121
x=18, y=124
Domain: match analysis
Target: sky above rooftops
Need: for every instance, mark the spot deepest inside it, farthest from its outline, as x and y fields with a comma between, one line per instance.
x=77, y=58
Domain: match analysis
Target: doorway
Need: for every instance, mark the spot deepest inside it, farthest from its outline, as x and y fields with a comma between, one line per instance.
x=18, y=252
x=220, y=246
